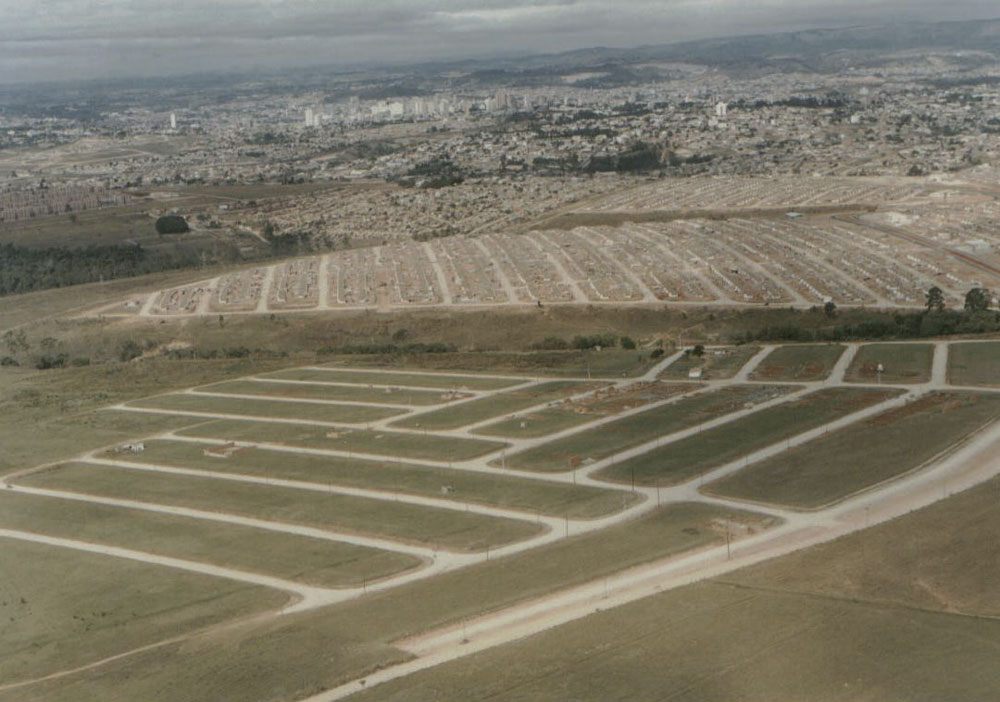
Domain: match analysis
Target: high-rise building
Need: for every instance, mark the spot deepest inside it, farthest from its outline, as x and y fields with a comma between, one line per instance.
x=309, y=117
x=173, y=121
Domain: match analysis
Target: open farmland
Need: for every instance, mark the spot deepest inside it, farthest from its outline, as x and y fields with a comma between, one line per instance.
x=207, y=405
x=901, y=363
x=834, y=466
x=532, y=496
x=482, y=409
x=378, y=443
x=715, y=363
x=798, y=363
x=301, y=559
x=687, y=458
x=974, y=363
x=448, y=529
x=572, y=451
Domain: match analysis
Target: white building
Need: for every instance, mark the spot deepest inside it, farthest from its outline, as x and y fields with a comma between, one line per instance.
x=173, y=121
x=721, y=109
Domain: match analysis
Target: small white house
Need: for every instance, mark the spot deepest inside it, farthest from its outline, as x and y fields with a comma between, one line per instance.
x=694, y=374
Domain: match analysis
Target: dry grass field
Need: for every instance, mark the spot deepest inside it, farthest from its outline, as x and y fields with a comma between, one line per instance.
x=975, y=363
x=688, y=458
x=798, y=363
x=250, y=663
x=532, y=496
x=281, y=409
x=496, y=405
x=901, y=363
x=103, y=606
x=600, y=442
x=446, y=529
x=297, y=558
x=296, y=475
x=834, y=466
x=369, y=442
x=716, y=364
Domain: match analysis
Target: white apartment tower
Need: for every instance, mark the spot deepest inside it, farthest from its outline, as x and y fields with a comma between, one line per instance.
x=173, y=121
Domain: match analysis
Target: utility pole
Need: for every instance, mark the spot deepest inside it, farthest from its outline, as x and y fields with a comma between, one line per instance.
x=729, y=553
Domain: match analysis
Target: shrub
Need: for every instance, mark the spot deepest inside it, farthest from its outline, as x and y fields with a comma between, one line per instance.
x=550, y=343
x=171, y=224
x=129, y=350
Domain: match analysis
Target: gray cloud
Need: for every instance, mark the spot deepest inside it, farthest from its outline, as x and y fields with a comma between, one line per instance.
x=49, y=39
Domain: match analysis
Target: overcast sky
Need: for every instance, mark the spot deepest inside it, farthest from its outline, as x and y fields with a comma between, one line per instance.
x=68, y=39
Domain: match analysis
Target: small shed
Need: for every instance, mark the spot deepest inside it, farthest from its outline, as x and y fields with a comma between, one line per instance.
x=695, y=374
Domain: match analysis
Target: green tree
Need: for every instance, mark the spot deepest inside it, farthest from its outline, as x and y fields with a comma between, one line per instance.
x=698, y=350
x=977, y=300
x=627, y=342
x=171, y=224
x=830, y=309
x=935, y=299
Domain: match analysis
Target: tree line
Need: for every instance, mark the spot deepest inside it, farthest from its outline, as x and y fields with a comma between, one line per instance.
x=24, y=269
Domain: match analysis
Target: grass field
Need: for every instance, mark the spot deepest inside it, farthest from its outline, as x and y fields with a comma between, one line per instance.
x=302, y=559
x=943, y=557
x=804, y=363
x=610, y=438
x=717, y=364
x=879, y=614
x=976, y=363
x=574, y=501
x=448, y=529
x=864, y=454
x=321, y=412
x=387, y=443
x=63, y=405
x=901, y=363
x=333, y=374
x=688, y=458
x=569, y=414
x=102, y=606
x=495, y=405
x=606, y=363
x=718, y=643
x=344, y=641
x=530, y=425
x=337, y=393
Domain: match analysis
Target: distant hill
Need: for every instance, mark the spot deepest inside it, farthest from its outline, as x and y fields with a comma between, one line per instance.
x=814, y=50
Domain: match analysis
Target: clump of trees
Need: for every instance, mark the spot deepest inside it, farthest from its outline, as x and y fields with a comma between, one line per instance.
x=935, y=319
x=24, y=269
x=376, y=349
x=172, y=224
x=595, y=341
